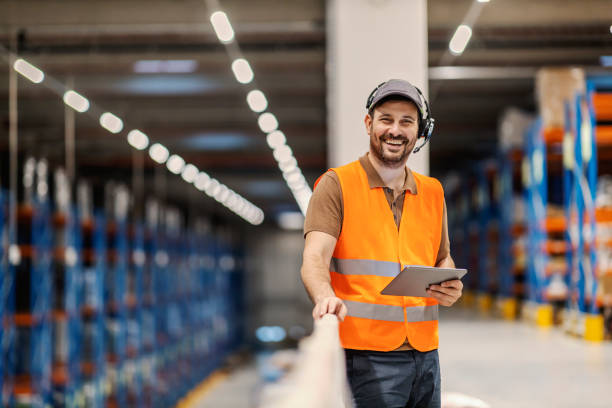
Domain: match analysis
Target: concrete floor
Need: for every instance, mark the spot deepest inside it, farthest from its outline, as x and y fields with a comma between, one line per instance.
x=502, y=363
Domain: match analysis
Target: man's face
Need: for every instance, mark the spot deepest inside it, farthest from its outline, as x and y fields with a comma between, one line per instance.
x=393, y=131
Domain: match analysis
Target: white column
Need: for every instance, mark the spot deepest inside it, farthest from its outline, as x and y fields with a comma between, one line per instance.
x=370, y=41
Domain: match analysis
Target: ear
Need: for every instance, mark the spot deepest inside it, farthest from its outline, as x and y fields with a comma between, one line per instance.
x=368, y=122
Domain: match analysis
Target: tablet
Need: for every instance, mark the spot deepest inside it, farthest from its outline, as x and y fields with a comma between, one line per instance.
x=414, y=280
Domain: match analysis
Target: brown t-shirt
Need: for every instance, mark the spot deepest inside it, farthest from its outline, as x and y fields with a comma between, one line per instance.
x=326, y=208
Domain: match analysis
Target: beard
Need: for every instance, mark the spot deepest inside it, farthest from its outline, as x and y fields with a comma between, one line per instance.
x=390, y=160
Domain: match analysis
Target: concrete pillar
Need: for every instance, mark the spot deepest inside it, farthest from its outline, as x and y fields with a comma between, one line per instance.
x=370, y=41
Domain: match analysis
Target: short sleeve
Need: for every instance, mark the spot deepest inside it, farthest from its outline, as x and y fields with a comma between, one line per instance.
x=325, y=209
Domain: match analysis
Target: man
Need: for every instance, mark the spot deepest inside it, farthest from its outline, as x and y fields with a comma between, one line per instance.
x=364, y=221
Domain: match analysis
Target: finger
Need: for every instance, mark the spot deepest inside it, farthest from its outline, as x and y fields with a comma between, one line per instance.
x=342, y=313
x=444, y=299
x=331, y=306
x=457, y=284
x=446, y=291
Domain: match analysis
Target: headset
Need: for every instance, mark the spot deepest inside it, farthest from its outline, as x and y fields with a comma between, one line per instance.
x=427, y=122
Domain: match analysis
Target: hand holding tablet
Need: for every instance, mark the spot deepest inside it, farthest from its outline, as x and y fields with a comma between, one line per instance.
x=414, y=280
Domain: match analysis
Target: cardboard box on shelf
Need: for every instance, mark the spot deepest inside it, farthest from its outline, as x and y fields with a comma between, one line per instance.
x=555, y=86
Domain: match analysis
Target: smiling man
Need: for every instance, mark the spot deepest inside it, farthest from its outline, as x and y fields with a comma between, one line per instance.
x=364, y=221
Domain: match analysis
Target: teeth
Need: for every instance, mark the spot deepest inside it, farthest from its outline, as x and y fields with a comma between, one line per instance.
x=395, y=142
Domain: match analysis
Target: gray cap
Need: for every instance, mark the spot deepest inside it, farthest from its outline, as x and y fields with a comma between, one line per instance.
x=397, y=87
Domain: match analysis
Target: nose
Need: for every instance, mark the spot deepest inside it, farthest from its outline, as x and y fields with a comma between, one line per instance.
x=394, y=130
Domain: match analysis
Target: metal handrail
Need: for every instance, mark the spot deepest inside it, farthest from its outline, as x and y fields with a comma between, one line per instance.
x=318, y=379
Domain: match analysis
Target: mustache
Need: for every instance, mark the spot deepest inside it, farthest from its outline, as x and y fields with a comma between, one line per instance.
x=385, y=137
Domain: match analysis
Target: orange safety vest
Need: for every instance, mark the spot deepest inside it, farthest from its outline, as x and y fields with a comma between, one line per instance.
x=370, y=252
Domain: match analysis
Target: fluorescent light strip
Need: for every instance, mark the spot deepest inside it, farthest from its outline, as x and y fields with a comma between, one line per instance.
x=76, y=101
x=460, y=39
x=267, y=123
x=257, y=101
x=111, y=122
x=242, y=71
x=158, y=152
x=138, y=140
x=29, y=71
x=222, y=27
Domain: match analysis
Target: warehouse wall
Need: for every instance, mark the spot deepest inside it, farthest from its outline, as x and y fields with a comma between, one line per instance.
x=275, y=293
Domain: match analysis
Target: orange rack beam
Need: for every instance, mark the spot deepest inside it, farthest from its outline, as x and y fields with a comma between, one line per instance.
x=603, y=215
x=553, y=135
x=555, y=224
x=603, y=135
x=602, y=103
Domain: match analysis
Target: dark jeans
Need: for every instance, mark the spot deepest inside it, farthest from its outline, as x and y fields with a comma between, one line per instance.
x=394, y=379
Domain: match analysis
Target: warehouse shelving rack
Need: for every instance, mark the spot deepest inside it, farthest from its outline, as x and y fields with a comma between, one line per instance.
x=80, y=270
x=149, y=302
x=115, y=285
x=472, y=238
x=590, y=141
x=93, y=235
x=512, y=257
x=486, y=197
x=134, y=364
x=65, y=312
x=5, y=285
x=30, y=345
x=547, y=244
x=601, y=100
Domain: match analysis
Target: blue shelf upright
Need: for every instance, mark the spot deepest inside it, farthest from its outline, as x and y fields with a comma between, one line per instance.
x=511, y=254
x=134, y=364
x=115, y=285
x=65, y=309
x=149, y=302
x=31, y=343
x=92, y=363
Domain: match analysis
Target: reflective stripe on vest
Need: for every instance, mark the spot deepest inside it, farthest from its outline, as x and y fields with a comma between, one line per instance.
x=364, y=267
x=391, y=313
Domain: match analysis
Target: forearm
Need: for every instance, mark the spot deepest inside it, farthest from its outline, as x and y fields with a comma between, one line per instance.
x=446, y=262
x=316, y=279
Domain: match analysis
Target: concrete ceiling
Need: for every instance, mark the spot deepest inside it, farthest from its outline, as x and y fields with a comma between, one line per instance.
x=203, y=115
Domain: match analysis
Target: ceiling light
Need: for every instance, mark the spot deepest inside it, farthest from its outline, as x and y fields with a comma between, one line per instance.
x=242, y=71
x=460, y=39
x=257, y=101
x=159, y=153
x=287, y=166
x=29, y=71
x=76, y=101
x=267, y=122
x=276, y=139
x=165, y=66
x=175, y=164
x=111, y=122
x=189, y=173
x=222, y=26
x=202, y=181
x=295, y=178
x=138, y=140
x=222, y=194
x=212, y=187
x=282, y=153
x=483, y=1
